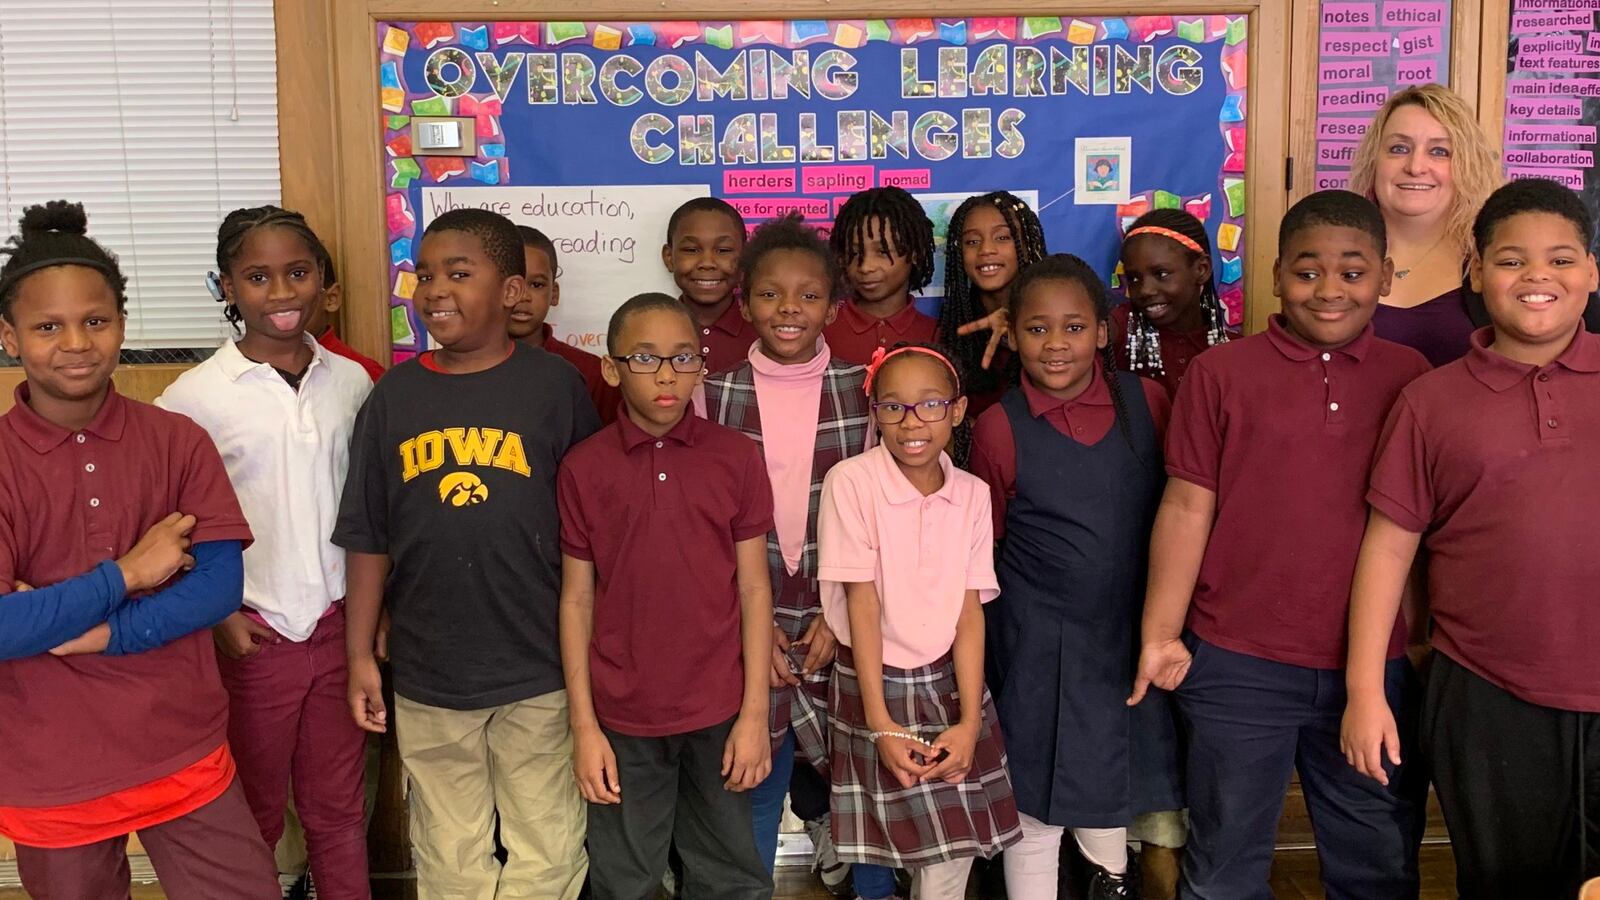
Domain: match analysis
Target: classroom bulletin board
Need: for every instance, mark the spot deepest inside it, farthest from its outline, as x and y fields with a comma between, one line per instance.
x=595, y=131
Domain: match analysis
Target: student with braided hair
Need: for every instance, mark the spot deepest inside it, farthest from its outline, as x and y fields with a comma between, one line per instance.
x=282, y=408
x=991, y=238
x=884, y=240
x=1173, y=312
x=1072, y=457
x=123, y=727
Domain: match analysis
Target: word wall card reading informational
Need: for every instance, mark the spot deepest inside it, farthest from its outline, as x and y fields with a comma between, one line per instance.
x=1553, y=94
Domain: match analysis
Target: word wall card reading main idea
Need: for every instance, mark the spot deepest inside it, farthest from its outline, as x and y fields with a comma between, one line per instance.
x=1553, y=94
x=594, y=132
x=1367, y=51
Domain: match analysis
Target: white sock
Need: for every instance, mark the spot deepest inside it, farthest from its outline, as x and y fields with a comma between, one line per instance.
x=1105, y=847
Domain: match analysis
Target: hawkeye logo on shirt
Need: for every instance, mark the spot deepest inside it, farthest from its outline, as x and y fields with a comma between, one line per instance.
x=483, y=447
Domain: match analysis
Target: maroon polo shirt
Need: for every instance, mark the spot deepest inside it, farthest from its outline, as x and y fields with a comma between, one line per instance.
x=725, y=342
x=854, y=334
x=1497, y=463
x=1087, y=419
x=1178, y=348
x=1283, y=433
x=606, y=398
x=659, y=518
x=82, y=727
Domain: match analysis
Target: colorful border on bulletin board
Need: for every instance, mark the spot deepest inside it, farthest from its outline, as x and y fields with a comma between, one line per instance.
x=405, y=92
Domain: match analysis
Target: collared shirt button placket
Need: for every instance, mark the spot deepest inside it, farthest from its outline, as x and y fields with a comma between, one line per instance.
x=1331, y=410
x=927, y=556
x=1545, y=406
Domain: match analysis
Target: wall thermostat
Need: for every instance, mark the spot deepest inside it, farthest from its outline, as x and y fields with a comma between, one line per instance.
x=443, y=136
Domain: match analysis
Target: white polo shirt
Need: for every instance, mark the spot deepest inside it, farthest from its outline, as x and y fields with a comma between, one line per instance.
x=286, y=453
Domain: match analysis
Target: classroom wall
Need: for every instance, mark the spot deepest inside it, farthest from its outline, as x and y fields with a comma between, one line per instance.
x=326, y=52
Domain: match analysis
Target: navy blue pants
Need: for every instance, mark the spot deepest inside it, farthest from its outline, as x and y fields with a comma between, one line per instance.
x=1250, y=723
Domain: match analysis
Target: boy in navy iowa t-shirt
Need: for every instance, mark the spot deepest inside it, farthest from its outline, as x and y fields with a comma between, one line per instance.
x=449, y=516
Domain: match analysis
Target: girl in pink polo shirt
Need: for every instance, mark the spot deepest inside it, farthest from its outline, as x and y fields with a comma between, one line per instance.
x=905, y=545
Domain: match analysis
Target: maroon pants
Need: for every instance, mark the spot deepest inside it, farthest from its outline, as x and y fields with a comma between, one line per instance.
x=213, y=853
x=288, y=716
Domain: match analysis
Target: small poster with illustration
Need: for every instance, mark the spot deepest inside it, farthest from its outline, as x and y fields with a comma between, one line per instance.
x=1104, y=168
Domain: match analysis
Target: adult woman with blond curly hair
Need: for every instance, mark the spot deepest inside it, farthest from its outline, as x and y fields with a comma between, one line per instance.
x=1426, y=164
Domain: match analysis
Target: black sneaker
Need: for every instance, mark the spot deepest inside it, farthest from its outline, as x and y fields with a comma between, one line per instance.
x=1106, y=886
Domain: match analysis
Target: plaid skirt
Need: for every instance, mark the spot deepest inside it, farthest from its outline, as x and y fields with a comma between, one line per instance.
x=878, y=822
x=802, y=707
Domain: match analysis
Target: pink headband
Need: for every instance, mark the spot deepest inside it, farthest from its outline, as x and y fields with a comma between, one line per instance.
x=1183, y=239
x=881, y=356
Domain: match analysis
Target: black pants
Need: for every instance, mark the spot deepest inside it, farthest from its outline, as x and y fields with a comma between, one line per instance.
x=1515, y=780
x=808, y=791
x=1250, y=723
x=672, y=793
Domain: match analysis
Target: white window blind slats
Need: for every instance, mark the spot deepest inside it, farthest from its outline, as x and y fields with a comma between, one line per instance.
x=159, y=117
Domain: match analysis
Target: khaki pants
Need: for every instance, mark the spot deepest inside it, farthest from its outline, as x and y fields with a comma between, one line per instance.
x=466, y=766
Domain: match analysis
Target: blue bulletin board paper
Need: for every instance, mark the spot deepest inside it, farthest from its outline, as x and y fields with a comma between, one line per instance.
x=595, y=131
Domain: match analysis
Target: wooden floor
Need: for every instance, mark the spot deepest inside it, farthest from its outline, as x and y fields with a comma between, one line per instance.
x=1294, y=877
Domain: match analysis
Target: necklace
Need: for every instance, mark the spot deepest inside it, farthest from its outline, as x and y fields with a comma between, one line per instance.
x=1401, y=273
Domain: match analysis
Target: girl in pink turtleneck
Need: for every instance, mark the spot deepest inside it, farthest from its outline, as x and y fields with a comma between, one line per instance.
x=808, y=411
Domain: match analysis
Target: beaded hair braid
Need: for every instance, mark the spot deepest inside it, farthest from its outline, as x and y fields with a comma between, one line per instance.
x=1144, y=344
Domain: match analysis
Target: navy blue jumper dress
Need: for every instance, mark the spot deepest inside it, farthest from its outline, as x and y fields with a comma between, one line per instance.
x=1072, y=570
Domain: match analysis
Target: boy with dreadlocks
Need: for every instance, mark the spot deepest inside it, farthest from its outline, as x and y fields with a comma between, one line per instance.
x=281, y=408
x=123, y=727
x=991, y=239
x=1172, y=313
x=1071, y=571
x=884, y=240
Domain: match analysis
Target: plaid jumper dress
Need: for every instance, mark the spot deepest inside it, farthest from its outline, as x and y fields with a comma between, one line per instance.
x=843, y=422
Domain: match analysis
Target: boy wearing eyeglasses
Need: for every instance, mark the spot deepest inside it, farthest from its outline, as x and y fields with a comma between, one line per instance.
x=666, y=621
x=449, y=516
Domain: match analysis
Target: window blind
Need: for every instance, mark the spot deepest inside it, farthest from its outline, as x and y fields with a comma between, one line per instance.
x=160, y=117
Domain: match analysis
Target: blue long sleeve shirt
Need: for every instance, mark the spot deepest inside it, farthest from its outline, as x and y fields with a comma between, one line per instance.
x=34, y=622
x=209, y=593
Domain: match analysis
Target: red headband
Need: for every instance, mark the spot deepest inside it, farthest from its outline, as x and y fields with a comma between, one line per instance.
x=1183, y=239
x=881, y=356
